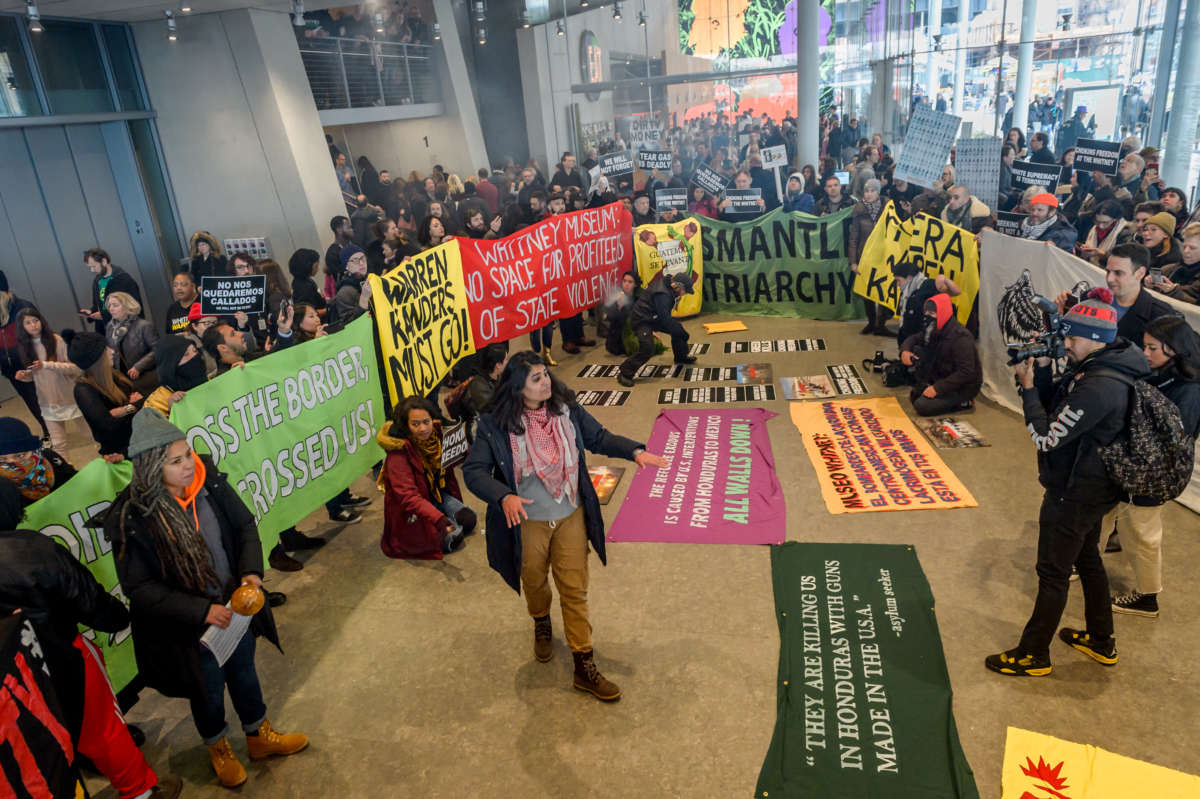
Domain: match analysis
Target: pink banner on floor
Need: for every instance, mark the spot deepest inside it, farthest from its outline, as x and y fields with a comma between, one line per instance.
x=720, y=487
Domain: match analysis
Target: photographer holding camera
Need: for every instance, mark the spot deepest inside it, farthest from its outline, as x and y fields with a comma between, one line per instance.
x=1070, y=420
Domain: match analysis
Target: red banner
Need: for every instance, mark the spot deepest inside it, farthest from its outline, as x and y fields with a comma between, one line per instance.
x=554, y=269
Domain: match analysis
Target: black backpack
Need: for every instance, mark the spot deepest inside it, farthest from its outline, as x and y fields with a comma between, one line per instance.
x=1152, y=457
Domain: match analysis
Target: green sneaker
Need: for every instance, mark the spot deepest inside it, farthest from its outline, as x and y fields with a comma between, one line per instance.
x=1017, y=663
x=1105, y=652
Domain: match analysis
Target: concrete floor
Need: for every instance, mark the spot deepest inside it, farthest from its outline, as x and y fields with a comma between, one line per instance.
x=417, y=679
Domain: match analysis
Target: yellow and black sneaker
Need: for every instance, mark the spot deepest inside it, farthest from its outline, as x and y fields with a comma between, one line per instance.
x=1018, y=663
x=1102, y=652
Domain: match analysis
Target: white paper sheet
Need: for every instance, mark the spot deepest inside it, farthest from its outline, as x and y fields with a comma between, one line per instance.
x=222, y=642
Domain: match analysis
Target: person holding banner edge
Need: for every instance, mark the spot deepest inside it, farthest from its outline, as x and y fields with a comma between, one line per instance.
x=527, y=463
x=651, y=311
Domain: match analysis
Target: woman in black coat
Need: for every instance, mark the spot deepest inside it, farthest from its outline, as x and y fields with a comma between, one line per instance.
x=527, y=462
x=183, y=541
x=104, y=396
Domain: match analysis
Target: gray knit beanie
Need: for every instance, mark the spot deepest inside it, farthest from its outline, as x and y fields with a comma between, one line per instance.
x=151, y=430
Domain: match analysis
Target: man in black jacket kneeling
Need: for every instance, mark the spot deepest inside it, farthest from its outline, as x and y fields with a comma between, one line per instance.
x=652, y=311
x=944, y=361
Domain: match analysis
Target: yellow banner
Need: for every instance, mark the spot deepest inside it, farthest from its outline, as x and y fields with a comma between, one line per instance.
x=870, y=457
x=936, y=246
x=672, y=248
x=420, y=309
x=1039, y=766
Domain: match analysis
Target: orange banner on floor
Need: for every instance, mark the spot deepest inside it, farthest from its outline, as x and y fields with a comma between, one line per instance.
x=1037, y=766
x=869, y=456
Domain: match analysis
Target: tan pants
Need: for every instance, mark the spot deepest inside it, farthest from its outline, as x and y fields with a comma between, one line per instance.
x=1141, y=542
x=560, y=548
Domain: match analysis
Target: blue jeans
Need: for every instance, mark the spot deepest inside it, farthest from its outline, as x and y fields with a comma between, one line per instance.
x=450, y=506
x=541, y=339
x=238, y=673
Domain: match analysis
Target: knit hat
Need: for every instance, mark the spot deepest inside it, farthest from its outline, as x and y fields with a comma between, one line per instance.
x=85, y=349
x=195, y=315
x=1091, y=319
x=1044, y=198
x=15, y=437
x=1163, y=221
x=151, y=430
x=347, y=252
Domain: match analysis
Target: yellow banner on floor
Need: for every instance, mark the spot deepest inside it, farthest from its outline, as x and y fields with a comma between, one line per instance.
x=936, y=246
x=870, y=457
x=671, y=248
x=1037, y=766
x=420, y=309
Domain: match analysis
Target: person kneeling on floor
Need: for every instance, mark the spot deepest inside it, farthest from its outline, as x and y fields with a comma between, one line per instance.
x=652, y=311
x=944, y=361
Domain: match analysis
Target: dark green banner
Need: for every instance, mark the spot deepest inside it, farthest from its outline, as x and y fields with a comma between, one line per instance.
x=780, y=264
x=864, y=703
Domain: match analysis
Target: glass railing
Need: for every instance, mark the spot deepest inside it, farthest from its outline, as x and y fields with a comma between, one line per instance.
x=357, y=73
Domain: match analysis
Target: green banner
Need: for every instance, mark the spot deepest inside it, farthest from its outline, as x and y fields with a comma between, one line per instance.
x=62, y=516
x=293, y=429
x=780, y=264
x=864, y=700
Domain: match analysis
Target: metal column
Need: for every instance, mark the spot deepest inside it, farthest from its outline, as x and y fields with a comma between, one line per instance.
x=1162, y=74
x=960, y=54
x=808, y=78
x=1024, y=65
x=933, y=78
x=1185, y=108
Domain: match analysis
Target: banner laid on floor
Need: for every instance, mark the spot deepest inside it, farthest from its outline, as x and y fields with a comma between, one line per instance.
x=1050, y=270
x=864, y=704
x=720, y=487
x=556, y=268
x=936, y=246
x=62, y=516
x=780, y=264
x=1037, y=765
x=293, y=429
x=870, y=457
x=671, y=249
x=420, y=308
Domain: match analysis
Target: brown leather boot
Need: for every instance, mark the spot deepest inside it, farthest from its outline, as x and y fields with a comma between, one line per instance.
x=269, y=742
x=588, y=678
x=230, y=772
x=543, y=642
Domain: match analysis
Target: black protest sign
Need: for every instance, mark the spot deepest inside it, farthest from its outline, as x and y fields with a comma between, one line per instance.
x=1027, y=173
x=845, y=379
x=602, y=397
x=454, y=444
x=1094, y=155
x=776, y=345
x=670, y=200
x=710, y=180
x=654, y=159
x=616, y=165
x=715, y=394
x=743, y=199
x=698, y=350
x=1009, y=223
x=225, y=295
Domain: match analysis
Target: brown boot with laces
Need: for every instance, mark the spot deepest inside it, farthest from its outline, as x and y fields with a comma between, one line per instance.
x=543, y=639
x=269, y=742
x=230, y=773
x=588, y=678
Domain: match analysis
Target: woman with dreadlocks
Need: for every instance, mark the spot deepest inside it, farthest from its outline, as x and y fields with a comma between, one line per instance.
x=183, y=542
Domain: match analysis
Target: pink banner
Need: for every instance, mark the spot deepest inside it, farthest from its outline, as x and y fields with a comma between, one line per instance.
x=720, y=487
x=554, y=269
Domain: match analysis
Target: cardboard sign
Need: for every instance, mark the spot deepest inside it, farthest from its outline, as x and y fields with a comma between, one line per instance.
x=926, y=146
x=454, y=445
x=643, y=133
x=1009, y=223
x=712, y=181
x=1098, y=156
x=616, y=164
x=220, y=296
x=655, y=159
x=776, y=345
x=743, y=199
x=670, y=200
x=977, y=166
x=774, y=157
x=1027, y=173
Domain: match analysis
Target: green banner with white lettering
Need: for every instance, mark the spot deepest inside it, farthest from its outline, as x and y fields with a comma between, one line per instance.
x=780, y=264
x=864, y=700
x=62, y=516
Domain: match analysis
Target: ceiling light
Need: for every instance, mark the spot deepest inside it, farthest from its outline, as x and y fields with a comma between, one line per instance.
x=617, y=10
x=35, y=19
x=583, y=3
x=185, y=7
x=481, y=35
x=172, y=33
x=479, y=8
x=642, y=18
x=437, y=31
x=379, y=22
x=523, y=19
x=558, y=29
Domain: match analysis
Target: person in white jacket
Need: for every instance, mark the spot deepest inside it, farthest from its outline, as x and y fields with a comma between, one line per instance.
x=44, y=354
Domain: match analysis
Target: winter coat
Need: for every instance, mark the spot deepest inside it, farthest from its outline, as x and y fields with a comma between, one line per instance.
x=950, y=361
x=1069, y=421
x=861, y=225
x=654, y=307
x=703, y=207
x=167, y=618
x=111, y=433
x=344, y=307
x=1168, y=254
x=802, y=202
x=1132, y=325
x=119, y=280
x=825, y=206
x=489, y=193
x=1061, y=234
x=912, y=317
x=1042, y=156
x=489, y=474
x=1184, y=393
x=136, y=347
x=1117, y=234
x=212, y=266
x=410, y=516
x=11, y=361
x=1186, y=278
x=980, y=216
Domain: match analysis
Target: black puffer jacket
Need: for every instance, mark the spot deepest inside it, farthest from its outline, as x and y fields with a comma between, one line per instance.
x=1069, y=421
x=654, y=306
x=949, y=361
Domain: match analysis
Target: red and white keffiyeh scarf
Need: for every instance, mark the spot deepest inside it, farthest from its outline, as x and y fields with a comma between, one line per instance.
x=548, y=450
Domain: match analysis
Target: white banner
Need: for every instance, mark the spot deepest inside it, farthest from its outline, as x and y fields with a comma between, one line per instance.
x=1002, y=260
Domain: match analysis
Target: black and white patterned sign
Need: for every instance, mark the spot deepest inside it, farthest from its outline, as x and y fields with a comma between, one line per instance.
x=715, y=394
x=775, y=345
